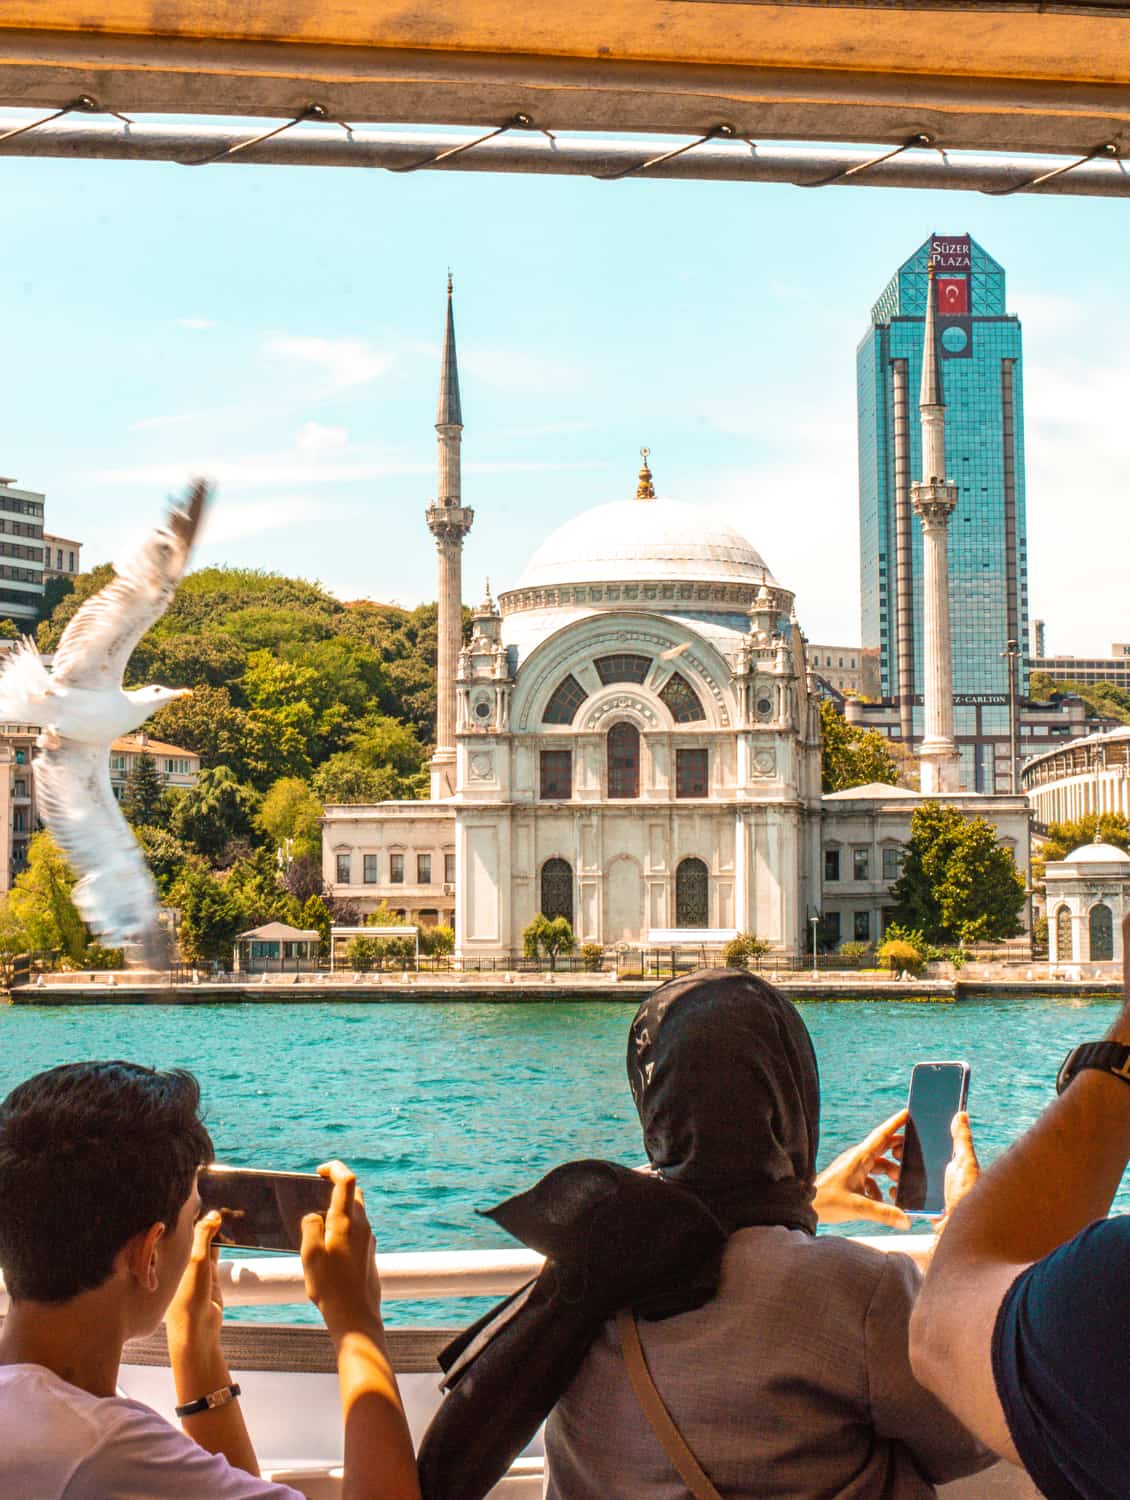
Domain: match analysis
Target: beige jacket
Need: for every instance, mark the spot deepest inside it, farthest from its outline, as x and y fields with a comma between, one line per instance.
x=794, y=1381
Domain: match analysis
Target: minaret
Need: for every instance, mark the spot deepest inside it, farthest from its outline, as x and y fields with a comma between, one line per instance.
x=449, y=521
x=934, y=501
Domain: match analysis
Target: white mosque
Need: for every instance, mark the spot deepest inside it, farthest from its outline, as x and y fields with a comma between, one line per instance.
x=630, y=740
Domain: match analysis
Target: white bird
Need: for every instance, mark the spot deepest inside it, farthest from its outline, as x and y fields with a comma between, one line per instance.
x=82, y=708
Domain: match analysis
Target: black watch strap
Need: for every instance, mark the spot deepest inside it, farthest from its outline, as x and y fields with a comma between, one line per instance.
x=1109, y=1057
x=223, y=1397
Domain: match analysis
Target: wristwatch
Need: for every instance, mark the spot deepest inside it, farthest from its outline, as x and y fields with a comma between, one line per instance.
x=223, y=1397
x=1108, y=1057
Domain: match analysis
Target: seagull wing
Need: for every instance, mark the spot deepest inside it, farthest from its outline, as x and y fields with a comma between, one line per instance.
x=115, y=894
x=100, y=640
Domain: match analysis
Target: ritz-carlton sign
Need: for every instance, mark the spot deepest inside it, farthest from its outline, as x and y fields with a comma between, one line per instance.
x=951, y=252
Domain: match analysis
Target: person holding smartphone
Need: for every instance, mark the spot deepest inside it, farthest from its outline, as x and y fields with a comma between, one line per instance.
x=99, y=1240
x=1021, y=1328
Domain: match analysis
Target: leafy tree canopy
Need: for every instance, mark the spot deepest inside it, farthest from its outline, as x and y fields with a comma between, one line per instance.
x=959, y=884
x=1103, y=700
x=143, y=796
x=1109, y=828
x=216, y=810
x=851, y=756
x=290, y=811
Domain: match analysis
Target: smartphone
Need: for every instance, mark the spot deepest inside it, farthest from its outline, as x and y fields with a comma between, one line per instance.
x=262, y=1210
x=938, y=1091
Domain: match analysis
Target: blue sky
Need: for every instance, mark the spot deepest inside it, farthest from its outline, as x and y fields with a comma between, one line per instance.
x=279, y=328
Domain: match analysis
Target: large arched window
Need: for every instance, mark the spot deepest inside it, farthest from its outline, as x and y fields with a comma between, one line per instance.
x=1063, y=946
x=564, y=701
x=682, y=700
x=624, y=666
x=623, y=761
x=1101, y=925
x=692, y=894
x=557, y=889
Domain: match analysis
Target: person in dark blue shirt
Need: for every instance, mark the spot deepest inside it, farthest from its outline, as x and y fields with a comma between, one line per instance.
x=1023, y=1324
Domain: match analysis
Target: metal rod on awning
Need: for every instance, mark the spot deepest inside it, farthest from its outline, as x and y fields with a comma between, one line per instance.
x=716, y=160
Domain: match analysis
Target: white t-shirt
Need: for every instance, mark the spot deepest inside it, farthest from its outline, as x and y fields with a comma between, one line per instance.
x=58, y=1442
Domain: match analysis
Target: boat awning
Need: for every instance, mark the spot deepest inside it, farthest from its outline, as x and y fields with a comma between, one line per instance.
x=969, y=75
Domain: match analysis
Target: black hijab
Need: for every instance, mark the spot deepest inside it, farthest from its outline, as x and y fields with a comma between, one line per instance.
x=724, y=1077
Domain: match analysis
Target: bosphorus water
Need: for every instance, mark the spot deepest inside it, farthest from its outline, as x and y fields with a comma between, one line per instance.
x=443, y=1109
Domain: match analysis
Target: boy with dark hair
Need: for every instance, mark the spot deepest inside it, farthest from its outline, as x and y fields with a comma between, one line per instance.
x=99, y=1240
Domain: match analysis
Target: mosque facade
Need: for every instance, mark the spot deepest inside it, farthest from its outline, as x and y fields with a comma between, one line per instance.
x=630, y=739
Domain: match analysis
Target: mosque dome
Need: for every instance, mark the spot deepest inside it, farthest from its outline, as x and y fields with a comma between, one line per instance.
x=1106, y=854
x=644, y=541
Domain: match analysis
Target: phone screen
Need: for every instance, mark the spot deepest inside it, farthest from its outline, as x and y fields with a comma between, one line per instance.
x=938, y=1090
x=262, y=1210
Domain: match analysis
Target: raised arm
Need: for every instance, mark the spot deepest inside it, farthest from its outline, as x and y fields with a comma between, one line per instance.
x=341, y=1279
x=1059, y=1177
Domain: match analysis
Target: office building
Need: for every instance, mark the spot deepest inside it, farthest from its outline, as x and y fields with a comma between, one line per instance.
x=21, y=553
x=980, y=361
x=62, y=557
x=850, y=670
x=1088, y=670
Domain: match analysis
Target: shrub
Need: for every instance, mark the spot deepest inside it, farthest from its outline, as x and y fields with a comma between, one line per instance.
x=738, y=951
x=855, y=950
x=1040, y=935
x=437, y=941
x=545, y=938
x=592, y=957
x=897, y=954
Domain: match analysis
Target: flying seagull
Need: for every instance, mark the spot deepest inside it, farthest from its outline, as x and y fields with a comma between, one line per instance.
x=82, y=708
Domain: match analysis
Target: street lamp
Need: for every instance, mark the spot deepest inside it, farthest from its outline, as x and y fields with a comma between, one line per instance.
x=1012, y=652
x=815, y=920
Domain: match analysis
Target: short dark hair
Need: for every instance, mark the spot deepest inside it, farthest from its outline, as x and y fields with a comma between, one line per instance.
x=91, y=1154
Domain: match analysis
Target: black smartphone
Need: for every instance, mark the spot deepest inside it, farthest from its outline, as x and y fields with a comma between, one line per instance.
x=938, y=1091
x=262, y=1210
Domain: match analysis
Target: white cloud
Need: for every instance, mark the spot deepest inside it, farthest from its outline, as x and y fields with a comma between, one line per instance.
x=199, y=324
x=343, y=362
x=231, y=522
x=316, y=437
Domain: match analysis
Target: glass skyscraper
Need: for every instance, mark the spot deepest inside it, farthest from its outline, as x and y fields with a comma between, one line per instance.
x=988, y=555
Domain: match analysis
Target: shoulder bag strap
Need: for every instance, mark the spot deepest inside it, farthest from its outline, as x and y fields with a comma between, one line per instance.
x=659, y=1418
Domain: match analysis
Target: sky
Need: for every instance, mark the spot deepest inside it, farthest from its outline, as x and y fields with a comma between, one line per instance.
x=278, y=330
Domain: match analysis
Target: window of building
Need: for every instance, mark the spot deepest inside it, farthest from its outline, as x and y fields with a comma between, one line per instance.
x=622, y=667
x=892, y=863
x=623, y=761
x=70, y=562
x=19, y=787
x=21, y=759
x=449, y=869
x=396, y=869
x=19, y=820
x=1101, y=927
x=860, y=864
x=557, y=889
x=117, y=763
x=830, y=928
x=831, y=864
x=692, y=894
x=556, y=779
x=177, y=765
x=564, y=701
x=370, y=869
x=59, y=558
x=861, y=926
x=343, y=871
x=1063, y=943
x=423, y=869
x=691, y=773
x=682, y=700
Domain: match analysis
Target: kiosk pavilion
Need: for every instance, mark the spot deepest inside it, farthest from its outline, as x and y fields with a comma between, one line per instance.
x=630, y=739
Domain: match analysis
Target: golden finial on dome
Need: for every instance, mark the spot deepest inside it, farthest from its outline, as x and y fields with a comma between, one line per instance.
x=645, y=490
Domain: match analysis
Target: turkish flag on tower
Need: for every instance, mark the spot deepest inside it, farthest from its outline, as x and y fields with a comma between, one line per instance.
x=953, y=296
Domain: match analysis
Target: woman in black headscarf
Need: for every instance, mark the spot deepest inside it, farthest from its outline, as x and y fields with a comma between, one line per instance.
x=780, y=1358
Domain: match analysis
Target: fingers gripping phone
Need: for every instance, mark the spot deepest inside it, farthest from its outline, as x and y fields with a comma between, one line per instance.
x=938, y=1091
x=262, y=1210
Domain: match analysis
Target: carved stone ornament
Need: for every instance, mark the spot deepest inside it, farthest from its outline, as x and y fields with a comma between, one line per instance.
x=482, y=766
x=764, y=763
x=618, y=704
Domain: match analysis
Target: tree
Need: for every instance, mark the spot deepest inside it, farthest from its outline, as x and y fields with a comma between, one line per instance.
x=548, y=938
x=316, y=914
x=209, y=918
x=255, y=885
x=40, y=902
x=303, y=878
x=165, y=854
x=345, y=778
x=216, y=810
x=851, y=756
x=381, y=741
x=1108, y=828
x=738, y=951
x=143, y=796
x=291, y=817
x=958, y=883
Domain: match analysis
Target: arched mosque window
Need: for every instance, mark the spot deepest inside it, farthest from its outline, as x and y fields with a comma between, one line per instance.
x=692, y=894
x=622, y=667
x=564, y=701
x=682, y=700
x=1101, y=925
x=1063, y=935
x=623, y=761
x=557, y=889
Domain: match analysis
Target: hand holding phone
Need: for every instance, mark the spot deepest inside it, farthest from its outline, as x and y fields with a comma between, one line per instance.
x=938, y=1091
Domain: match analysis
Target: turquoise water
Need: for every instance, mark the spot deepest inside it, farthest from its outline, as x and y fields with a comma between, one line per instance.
x=445, y=1108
